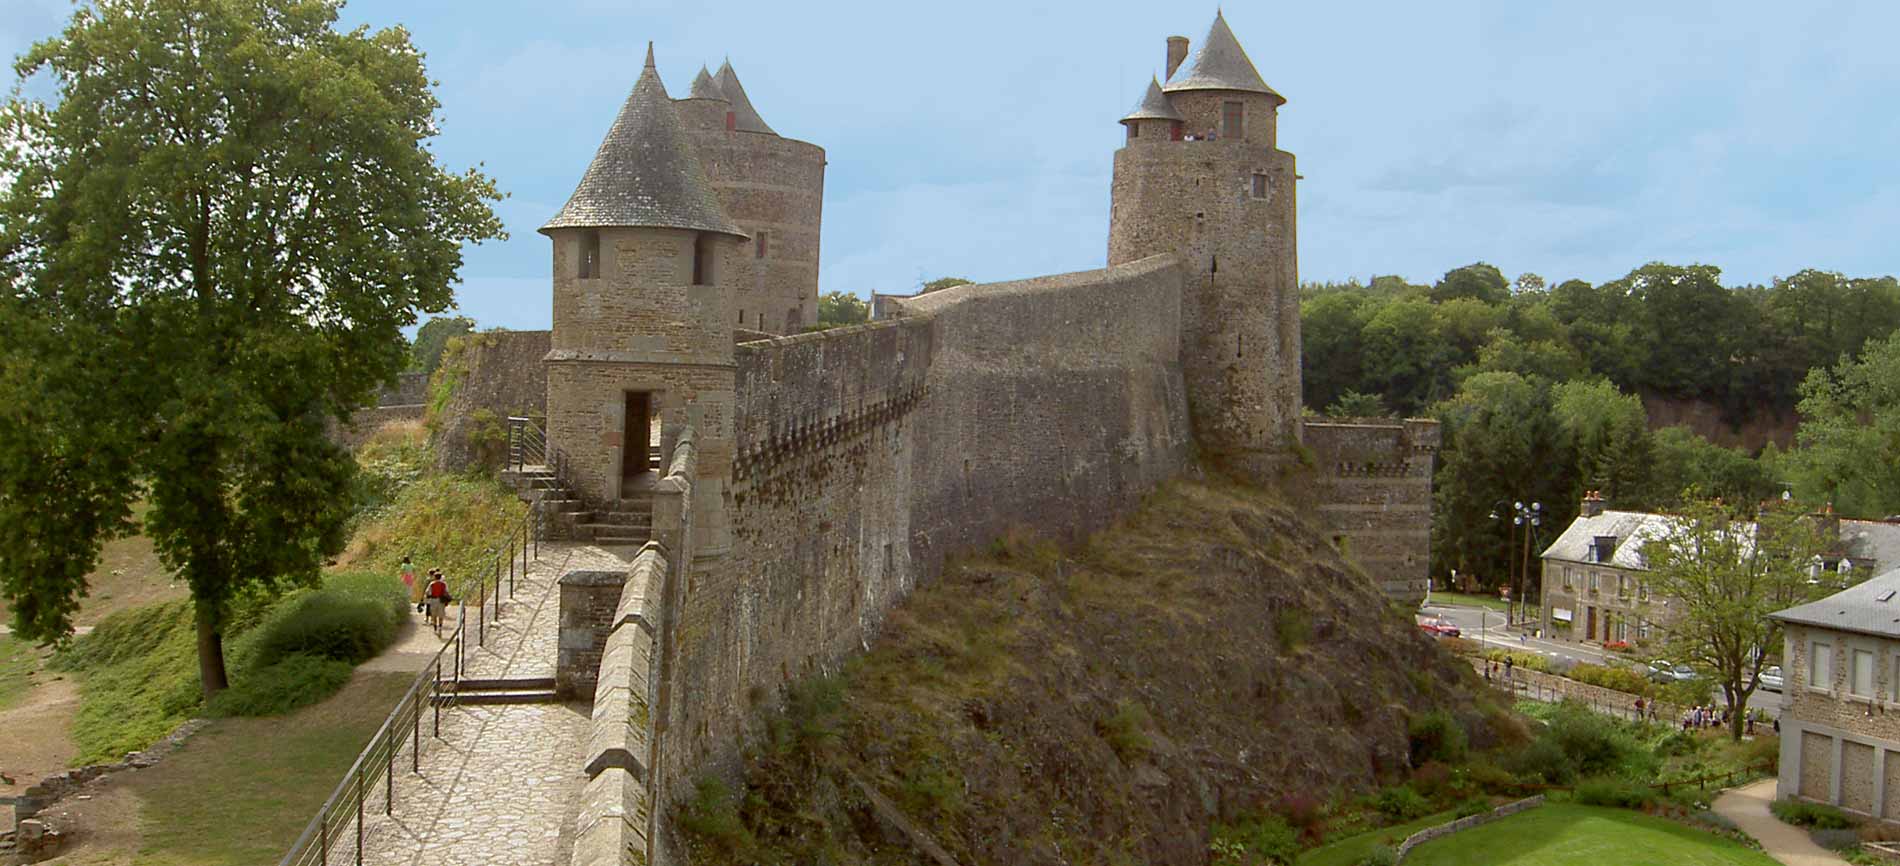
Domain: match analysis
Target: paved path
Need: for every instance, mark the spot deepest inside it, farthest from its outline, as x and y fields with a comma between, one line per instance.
x=1747, y=806
x=502, y=783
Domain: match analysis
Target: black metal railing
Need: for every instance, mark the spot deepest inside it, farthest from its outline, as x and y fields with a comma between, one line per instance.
x=527, y=443
x=335, y=834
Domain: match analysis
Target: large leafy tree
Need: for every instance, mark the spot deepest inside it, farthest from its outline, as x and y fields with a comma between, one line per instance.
x=1850, y=433
x=842, y=308
x=1722, y=575
x=209, y=244
x=1500, y=445
x=433, y=337
x=1607, y=432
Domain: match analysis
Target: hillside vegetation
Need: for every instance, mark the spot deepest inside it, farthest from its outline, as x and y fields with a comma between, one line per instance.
x=1207, y=661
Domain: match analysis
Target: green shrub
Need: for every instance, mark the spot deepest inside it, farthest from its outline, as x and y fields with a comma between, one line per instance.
x=1804, y=814
x=1401, y=803
x=711, y=819
x=1380, y=855
x=1436, y=736
x=1292, y=629
x=1620, y=793
x=1267, y=838
x=1714, y=820
x=1472, y=806
x=1124, y=731
x=293, y=682
x=1521, y=660
x=1619, y=679
x=326, y=624
x=1543, y=761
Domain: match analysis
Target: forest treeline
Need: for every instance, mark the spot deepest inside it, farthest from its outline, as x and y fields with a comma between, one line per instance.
x=1538, y=389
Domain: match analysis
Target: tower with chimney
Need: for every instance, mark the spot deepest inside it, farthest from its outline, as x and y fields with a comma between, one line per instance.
x=1201, y=176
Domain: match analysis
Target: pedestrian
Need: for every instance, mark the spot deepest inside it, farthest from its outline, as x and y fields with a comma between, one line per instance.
x=1639, y=708
x=1510, y=664
x=1750, y=720
x=1490, y=667
x=1777, y=726
x=437, y=599
x=408, y=570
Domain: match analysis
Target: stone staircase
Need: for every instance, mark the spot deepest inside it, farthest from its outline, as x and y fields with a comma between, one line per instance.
x=565, y=516
x=519, y=690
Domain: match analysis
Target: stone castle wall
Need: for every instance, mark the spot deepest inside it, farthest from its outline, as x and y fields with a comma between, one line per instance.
x=501, y=374
x=1372, y=485
x=865, y=456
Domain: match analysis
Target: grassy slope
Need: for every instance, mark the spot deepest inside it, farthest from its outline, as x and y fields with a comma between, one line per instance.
x=1348, y=851
x=240, y=790
x=1206, y=657
x=17, y=660
x=128, y=575
x=1564, y=834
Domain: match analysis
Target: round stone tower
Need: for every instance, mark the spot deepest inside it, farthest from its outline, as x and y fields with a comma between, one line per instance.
x=1201, y=177
x=645, y=272
x=774, y=188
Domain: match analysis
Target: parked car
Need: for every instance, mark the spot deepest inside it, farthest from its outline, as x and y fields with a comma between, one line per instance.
x=1664, y=671
x=1771, y=678
x=1438, y=627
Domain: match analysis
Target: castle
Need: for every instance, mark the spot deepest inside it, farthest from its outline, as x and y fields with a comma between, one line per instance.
x=789, y=488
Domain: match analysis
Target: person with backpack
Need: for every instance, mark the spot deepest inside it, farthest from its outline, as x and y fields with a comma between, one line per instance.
x=408, y=571
x=437, y=598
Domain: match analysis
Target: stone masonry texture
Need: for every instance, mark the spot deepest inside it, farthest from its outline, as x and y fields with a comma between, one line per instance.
x=1837, y=746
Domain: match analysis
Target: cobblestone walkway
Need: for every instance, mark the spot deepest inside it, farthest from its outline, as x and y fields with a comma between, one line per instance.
x=502, y=783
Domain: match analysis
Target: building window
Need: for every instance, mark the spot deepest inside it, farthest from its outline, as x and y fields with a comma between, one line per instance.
x=703, y=254
x=1642, y=629
x=1174, y=130
x=1232, y=115
x=1863, y=665
x=588, y=261
x=1642, y=591
x=1820, y=665
x=1593, y=581
x=1622, y=586
x=1134, y=130
x=1259, y=185
x=759, y=252
x=1893, y=679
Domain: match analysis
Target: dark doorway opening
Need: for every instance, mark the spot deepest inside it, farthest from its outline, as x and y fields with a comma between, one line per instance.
x=636, y=453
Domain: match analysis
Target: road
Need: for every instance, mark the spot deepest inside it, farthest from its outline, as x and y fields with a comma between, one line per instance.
x=1487, y=627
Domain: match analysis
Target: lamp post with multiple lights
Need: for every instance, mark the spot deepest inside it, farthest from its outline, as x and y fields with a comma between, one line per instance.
x=1527, y=515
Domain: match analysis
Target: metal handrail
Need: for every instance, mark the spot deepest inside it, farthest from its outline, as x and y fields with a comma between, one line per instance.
x=376, y=762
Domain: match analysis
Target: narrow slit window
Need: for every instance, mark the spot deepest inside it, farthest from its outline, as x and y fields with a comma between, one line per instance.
x=1134, y=130
x=759, y=252
x=589, y=258
x=1259, y=185
x=703, y=259
x=1232, y=119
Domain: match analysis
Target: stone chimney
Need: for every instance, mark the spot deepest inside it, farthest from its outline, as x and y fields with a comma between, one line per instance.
x=1592, y=504
x=1177, y=52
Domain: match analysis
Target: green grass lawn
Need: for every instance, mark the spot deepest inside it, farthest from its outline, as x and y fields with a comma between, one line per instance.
x=1566, y=834
x=241, y=790
x=1459, y=598
x=1348, y=851
x=17, y=659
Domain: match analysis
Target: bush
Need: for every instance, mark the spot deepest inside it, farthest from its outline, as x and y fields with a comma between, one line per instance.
x=1620, y=793
x=1401, y=803
x=1380, y=855
x=1714, y=820
x=1491, y=778
x=1470, y=806
x=1431, y=779
x=1619, y=679
x=1124, y=731
x=326, y=624
x=1268, y=838
x=296, y=681
x=1436, y=736
x=1522, y=660
x=1804, y=814
x=1303, y=811
x=711, y=819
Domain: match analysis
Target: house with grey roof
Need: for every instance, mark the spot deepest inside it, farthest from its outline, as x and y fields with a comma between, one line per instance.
x=1840, y=700
x=1594, y=581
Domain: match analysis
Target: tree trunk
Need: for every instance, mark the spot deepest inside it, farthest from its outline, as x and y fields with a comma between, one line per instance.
x=211, y=673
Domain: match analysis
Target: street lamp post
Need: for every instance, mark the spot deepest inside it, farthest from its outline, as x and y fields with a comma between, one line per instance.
x=1527, y=516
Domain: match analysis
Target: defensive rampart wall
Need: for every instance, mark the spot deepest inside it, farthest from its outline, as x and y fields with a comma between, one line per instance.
x=1373, y=490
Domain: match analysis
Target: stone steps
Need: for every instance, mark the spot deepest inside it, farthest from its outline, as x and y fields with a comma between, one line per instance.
x=517, y=690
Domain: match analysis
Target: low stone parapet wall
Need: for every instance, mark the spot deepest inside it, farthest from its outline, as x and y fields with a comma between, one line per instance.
x=1466, y=823
x=614, y=824
x=1541, y=686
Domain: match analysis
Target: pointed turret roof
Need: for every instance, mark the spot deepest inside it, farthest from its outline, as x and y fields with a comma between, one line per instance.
x=645, y=173
x=704, y=87
x=1154, y=105
x=1220, y=64
x=744, y=117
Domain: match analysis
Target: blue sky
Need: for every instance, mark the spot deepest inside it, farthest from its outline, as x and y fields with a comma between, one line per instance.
x=975, y=138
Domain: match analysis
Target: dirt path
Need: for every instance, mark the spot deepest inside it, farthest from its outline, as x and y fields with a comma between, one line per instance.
x=1747, y=806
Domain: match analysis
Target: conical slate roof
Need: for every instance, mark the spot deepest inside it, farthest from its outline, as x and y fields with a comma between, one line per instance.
x=704, y=87
x=1220, y=64
x=645, y=173
x=1155, y=105
x=744, y=117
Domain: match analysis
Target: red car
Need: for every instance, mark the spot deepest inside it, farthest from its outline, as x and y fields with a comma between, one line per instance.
x=1438, y=627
